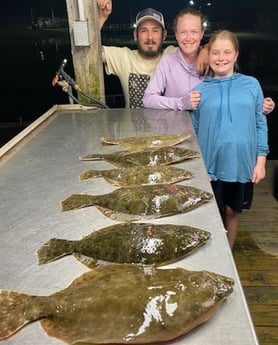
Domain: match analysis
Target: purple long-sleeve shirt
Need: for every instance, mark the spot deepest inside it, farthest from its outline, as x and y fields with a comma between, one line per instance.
x=171, y=83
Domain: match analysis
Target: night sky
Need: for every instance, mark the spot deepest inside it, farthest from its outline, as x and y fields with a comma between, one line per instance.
x=21, y=11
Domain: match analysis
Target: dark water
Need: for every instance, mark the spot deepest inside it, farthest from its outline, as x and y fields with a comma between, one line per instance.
x=27, y=68
x=28, y=65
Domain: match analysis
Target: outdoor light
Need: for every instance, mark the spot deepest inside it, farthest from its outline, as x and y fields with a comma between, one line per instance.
x=200, y=3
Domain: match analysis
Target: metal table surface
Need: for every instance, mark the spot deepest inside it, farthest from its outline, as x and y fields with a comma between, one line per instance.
x=41, y=168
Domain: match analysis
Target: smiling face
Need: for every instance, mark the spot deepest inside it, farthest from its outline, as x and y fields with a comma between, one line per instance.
x=223, y=54
x=189, y=32
x=149, y=36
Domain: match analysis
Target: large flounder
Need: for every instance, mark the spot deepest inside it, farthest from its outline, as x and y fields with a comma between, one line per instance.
x=147, y=141
x=142, y=243
x=139, y=175
x=142, y=202
x=149, y=157
x=120, y=304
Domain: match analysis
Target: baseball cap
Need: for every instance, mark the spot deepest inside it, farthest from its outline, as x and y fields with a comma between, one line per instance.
x=149, y=13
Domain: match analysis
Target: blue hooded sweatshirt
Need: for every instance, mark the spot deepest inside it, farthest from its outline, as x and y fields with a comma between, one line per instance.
x=230, y=126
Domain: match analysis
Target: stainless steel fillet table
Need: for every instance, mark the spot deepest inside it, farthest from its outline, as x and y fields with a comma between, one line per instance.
x=40, y=168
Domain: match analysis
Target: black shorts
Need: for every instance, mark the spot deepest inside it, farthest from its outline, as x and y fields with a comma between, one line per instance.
x=237, y=195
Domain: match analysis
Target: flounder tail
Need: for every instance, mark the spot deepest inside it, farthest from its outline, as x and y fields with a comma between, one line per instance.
x=54, y=249
x=88, y=174
x=77, y=201
x=13, y=314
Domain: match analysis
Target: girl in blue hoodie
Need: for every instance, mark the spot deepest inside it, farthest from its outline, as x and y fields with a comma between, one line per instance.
x=231, y=130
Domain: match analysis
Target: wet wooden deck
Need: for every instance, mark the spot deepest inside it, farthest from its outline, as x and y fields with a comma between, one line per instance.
x=256, y=257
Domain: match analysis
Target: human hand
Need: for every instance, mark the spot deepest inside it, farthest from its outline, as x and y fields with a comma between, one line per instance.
x=195, y=98
x=104, y=10
x=268, y=105
x=259, y=171
x=202, y=61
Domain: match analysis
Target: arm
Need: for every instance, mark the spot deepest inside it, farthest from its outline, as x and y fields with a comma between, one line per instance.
x=268, y=105
x=202, y=61
x=154, y=95
x=104, y=10
x=259, y=170
x=262, y=145
x=195, y=121
x=195, y=114
x=166, y=89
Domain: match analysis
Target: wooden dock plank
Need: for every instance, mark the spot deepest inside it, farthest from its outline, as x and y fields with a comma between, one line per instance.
x=256, y=257
x=264, y=315
x=246, y=262
x=267, y=295
x=258, y=278
x=267, y=335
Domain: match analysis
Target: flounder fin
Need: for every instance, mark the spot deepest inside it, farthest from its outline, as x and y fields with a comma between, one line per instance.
x=109, y=141
x=86, y=260
x=76, y=201
x=12, y=312
x=78, y=343
x=114, y=215
x=185, y=135
x=88, y=174
x=92, y=157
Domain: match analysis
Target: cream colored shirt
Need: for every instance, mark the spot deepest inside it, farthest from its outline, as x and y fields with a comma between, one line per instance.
x=133, y=71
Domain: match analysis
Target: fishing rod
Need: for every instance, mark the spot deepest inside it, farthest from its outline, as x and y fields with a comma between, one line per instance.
x=67, y=83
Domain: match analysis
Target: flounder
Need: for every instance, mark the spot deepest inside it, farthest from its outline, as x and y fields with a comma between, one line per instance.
x=120, y=304
x=129, y=243
x=143, y=175
x=142, y=202
x=143, y=142
x=150, y=157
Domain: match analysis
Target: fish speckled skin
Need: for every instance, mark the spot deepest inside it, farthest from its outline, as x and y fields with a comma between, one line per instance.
x=143, y=202
x=139, y=175
x=142, y=243
x=149, y=157
x=120, y=304
x=143, y=142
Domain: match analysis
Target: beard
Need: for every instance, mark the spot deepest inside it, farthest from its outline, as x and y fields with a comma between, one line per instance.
x=149, y=52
